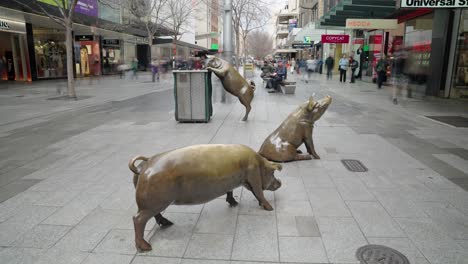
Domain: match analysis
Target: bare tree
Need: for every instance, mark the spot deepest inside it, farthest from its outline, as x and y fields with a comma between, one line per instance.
x=179, y=13
x=247, y=15
x=65, y=20
x=148, y=12
x=259, y=44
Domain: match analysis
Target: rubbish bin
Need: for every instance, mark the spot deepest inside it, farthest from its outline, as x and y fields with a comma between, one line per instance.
x=192, y=92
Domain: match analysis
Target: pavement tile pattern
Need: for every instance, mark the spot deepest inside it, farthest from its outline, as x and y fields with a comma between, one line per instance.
x=67, y=196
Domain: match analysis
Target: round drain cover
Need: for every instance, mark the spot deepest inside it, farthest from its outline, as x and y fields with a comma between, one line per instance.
x=377, y=254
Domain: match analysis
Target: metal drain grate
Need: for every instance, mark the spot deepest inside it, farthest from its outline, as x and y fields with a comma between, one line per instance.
x=456, y=121
x=375, y=254
x=354, y=165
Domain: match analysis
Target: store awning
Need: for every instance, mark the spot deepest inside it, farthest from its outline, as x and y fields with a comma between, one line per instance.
x=369, y=9
x=285, y=51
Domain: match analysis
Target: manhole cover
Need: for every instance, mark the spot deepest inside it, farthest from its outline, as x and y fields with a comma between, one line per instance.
x=354, y=165
x=456, y=121
x=377, y=254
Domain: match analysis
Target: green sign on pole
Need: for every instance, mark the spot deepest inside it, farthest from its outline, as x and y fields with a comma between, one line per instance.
x=214, y=46
x=365, y=48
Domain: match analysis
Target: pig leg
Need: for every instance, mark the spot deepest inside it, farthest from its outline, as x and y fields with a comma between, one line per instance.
x=256, y=187
x=161, y=221
x=230, y=199
x=139, y=222
x=310, y=147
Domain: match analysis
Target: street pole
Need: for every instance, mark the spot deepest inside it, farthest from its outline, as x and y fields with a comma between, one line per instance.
x=227, y=38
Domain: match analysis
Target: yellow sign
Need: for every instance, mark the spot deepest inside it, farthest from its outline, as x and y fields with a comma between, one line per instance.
x=371, y=23
x=54, y=2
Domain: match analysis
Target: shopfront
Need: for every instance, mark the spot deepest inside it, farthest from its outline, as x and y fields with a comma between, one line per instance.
x=14, y=62
x=111, y=55
x=459, y=78
x=50, y=52
x=88, y=63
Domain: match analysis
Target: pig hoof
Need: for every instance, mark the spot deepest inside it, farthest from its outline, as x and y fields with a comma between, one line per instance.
x=268, y=207
x=299, y=151
x=244, y=119
x=142, y=245
x=232, y=202
x=163, y=222
x=316, y=156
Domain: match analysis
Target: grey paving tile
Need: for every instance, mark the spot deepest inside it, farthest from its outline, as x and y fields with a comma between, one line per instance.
x=59, y=198
x=291, y=207
x=353, y=189
x=452, y=221
x=396, y=205
x=374, y=220
x=155, y=260
x=197, y=261
x=217, y=217
x=341, y=237
x=377, y=179
x=172, y=241
x=117, y=242
x=403, y=245
x=302, y=249
x=76, y=210
x=454, y=160
x=463, y=243
x=42, y=236
x=14, y=255
x=15, y=187
x=316, y=178
x=256, y=239
x=105, y=219
x=193, y=209
x=119, y=200
x=210, y=246
x=432, y=242
x=19, y=203
x=81, y=238
x=251, y=262
x=54, y=256
x=327, y=202
x=290, y=225
x=96, y=258
x=292, y=189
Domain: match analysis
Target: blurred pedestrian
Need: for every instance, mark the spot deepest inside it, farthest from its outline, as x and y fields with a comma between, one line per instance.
x=353, y=64
x=155, y=70
x=134, y=68
x=329, y=63
x=381, y=69
x=399, y=78
x=293, y=65
x=343, y=66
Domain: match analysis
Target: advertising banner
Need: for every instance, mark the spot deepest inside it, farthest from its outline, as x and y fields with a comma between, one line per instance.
x=87, y=7
x=335, y=39
x=434, y=3
x=371, y=23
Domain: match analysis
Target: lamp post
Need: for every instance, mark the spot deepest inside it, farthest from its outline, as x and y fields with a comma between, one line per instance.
x=227, y=38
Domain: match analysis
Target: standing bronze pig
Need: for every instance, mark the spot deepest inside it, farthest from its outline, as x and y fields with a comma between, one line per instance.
x=233, y=82
x=196, y=175
x=282, y=145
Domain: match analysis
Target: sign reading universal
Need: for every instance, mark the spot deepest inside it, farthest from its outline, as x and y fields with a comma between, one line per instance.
x=434, y=3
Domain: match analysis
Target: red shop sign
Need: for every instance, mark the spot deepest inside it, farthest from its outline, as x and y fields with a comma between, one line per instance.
x=335, y=38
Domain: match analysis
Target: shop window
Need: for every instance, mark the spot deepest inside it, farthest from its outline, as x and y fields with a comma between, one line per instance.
x=460, y=75
x=50, y=49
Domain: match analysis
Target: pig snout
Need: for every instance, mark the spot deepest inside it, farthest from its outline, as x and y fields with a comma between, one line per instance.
x=275, y=184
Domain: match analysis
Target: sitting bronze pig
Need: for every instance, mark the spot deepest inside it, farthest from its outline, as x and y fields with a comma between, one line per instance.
x=196, y=175
x=233, y=82
x=282, y=144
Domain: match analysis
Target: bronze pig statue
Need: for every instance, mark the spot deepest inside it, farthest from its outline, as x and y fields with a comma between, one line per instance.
x=282, y=144
x=233, y=82
x=196, y=175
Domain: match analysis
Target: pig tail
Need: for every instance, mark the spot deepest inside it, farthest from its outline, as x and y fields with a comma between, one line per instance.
x=131, y=164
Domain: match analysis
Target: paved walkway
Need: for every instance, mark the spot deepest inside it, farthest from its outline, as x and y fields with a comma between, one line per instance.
x=80, y=198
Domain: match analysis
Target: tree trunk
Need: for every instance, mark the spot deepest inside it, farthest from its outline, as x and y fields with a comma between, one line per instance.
x=150, y=43
x=69, y=46
x=245, y=52
x=237, y=50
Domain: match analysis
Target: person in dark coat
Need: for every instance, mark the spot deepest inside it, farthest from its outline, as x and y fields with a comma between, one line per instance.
x=353, y=64
x=329, y=63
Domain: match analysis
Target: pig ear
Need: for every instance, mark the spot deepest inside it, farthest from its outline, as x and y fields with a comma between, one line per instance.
x=311, y=104
x=275, y=166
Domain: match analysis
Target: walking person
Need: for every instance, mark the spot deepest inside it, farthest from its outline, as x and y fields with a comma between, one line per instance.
x=343, y=66
x=155, y=70
x=353, y=64
x=311, y=66
x=134, y=68
x=329, y=63
x=293, y=65
x=399, y=78
x=381, y=69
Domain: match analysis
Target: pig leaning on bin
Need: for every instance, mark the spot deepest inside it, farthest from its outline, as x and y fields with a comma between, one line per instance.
x=196, y=175
x=233, y=82
x=282, y=144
